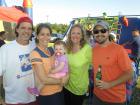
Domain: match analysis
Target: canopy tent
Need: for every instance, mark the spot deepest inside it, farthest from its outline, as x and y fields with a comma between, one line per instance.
x=11, y=14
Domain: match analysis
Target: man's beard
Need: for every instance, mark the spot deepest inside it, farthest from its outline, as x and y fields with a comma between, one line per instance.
x=102, y=41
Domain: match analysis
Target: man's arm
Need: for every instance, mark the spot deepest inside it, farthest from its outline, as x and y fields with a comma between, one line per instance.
x=125, y=77
x=122, y=79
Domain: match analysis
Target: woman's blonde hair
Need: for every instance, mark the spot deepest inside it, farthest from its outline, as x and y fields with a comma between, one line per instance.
x=82, y=41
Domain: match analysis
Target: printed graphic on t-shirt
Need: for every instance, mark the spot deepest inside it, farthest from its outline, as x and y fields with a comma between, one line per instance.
x=25, y=62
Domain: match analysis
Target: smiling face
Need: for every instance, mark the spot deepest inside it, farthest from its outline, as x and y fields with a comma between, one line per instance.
x=101, y=35
x=24, y=31
x=76, y=35
x=59, y=49
x=44, y=37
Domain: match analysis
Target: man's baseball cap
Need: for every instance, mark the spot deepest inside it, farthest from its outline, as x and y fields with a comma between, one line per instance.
x=24, y=19
x=102, y=23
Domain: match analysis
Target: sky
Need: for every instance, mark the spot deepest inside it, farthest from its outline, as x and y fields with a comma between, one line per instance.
x=63, y=11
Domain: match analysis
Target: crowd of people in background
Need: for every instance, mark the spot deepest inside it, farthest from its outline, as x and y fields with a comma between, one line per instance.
x=34, y=73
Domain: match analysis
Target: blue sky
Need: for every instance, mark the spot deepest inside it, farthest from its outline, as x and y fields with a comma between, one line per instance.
x=62, y=11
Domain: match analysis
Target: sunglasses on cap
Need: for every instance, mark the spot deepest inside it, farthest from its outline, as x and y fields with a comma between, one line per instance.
x=102, y=31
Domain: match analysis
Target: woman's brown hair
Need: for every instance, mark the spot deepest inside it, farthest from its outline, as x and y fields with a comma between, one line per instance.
x=82, y=41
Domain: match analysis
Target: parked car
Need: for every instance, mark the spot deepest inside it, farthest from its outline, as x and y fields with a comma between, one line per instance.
x=56, y=36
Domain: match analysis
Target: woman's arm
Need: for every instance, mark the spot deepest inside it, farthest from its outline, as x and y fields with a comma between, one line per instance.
x=42, y=75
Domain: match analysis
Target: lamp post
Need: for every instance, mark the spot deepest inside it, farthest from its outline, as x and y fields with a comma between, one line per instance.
x=47, y=18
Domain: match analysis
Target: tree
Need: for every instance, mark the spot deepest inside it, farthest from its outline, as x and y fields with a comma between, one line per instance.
x=59, y=28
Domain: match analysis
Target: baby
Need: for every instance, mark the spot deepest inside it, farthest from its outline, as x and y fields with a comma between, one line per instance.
x=61, y=63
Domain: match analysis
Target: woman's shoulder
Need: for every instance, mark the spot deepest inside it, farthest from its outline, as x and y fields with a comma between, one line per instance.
x=34, y=53
x=87, y=46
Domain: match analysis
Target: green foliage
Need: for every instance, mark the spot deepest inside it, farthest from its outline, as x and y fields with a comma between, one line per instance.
x=86, y=21
x=59, y=28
